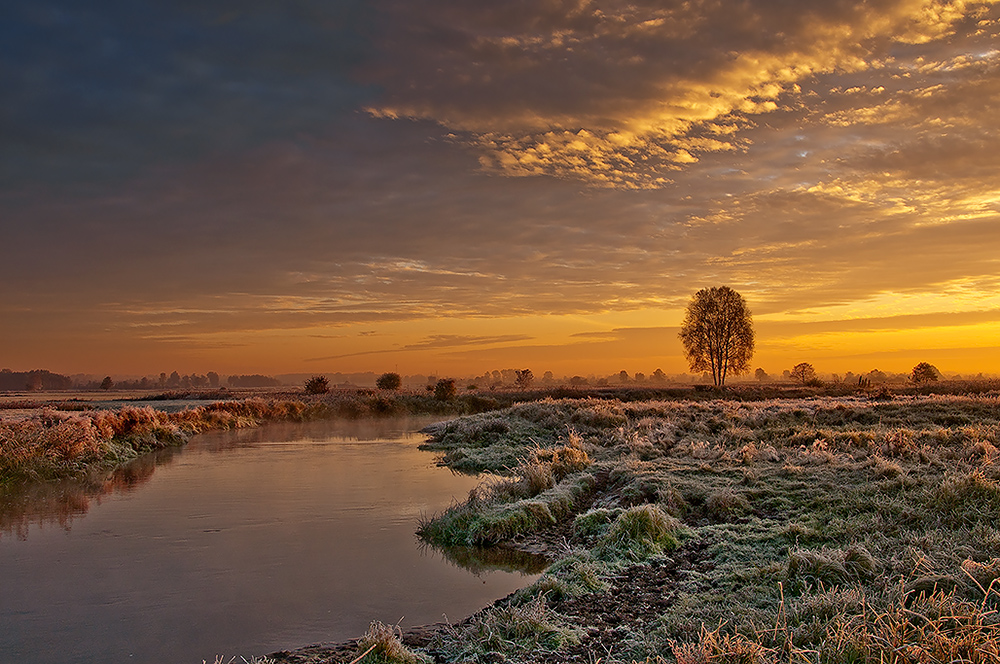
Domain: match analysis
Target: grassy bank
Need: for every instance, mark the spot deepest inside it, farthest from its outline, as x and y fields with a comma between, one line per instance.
x=798, y=530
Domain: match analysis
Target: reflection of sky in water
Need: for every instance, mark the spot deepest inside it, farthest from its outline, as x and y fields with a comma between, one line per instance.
x=243, y=542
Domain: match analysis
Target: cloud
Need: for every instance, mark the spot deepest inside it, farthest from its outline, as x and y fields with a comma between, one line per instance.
x=624, y=94
x=435, y=342
x=95, y=92
x=210, y=166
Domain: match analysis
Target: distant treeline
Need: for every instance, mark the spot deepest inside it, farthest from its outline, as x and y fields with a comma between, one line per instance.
x=253, y=380
x=38, y=379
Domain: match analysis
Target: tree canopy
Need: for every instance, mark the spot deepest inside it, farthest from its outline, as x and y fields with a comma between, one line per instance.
x=924, y=372
x=717, y=333
x=804, y=373
x=389, y=381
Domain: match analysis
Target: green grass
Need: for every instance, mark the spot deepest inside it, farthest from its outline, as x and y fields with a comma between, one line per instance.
x=823, y=530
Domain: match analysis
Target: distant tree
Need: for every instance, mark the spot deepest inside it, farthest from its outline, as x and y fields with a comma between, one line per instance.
x=577, y=381
x=252, y=380
x=877, y=376
x=717, y=333
x=317, y=385
x=523, y=378
x=622, y=376
x=547, y=377
x=389, y=381
x=760, y=375
x=640, y=377
x=445, y=390
x=924, y=373
x=803, y=373
x=658, y=376
x=213, y=379
x=107, y=383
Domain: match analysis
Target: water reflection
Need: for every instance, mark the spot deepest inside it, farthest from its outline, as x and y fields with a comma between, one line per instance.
x=481, y=560
x=60, y=503
x=242, y=542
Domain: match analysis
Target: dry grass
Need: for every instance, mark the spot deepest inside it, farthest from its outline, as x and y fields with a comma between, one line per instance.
x=381, y=645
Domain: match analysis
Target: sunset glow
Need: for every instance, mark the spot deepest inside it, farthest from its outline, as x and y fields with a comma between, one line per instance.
x=438, y=186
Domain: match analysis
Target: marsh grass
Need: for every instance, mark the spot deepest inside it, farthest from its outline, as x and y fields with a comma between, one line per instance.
x=849, y=529
x=51, y=444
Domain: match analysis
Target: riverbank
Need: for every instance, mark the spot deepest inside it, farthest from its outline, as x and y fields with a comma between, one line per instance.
x=64, y=435
x=60, y=434
x=827, y=529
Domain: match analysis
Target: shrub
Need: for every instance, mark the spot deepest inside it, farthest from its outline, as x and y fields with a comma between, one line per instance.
x=445, y=390
x=389, y=381
x=317, y=385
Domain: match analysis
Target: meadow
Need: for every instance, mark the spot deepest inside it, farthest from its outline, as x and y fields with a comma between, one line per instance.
x=807, y=530
x=750, y=527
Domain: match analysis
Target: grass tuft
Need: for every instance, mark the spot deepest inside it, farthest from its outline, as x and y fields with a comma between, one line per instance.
x=638, y=533
x=381, y=645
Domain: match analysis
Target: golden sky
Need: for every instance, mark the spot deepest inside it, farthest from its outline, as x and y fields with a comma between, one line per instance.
x=448, y=187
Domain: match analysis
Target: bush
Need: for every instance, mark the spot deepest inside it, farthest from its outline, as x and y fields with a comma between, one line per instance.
x=445, y=389
x=317, y=385
x=389, y=381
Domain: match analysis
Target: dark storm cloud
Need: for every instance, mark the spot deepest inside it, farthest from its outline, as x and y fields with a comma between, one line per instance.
x=97, y=90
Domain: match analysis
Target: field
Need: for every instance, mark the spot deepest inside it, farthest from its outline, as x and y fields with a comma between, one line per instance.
x=816, y=530
x=692, y=528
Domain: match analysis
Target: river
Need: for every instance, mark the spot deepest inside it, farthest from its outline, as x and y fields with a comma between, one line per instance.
x=240, y=543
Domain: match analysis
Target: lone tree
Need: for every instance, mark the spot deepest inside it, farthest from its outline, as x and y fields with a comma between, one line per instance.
x=389, y=381
x=717, y=333
x=524, y=378
x=924, y=373
x=804, y=373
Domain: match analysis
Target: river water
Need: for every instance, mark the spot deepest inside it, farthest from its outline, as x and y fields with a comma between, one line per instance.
x=240, y=543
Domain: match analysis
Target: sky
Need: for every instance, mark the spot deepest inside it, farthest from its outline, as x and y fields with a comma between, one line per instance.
x=450, y=187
